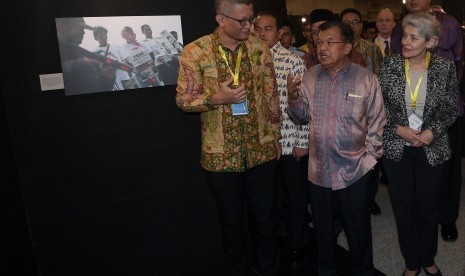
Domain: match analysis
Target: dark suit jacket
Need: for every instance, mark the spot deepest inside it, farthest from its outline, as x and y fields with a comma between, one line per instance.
x=441, y=106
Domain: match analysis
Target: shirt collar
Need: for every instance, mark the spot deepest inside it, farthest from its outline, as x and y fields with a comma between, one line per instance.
x=276, y=48
x=381, y=40
x=216, y=37
x=344, y=69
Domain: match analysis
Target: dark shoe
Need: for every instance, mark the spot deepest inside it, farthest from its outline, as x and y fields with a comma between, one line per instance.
x=438, y=273
x=375, y=210
x=449, y=232
x=296, y=259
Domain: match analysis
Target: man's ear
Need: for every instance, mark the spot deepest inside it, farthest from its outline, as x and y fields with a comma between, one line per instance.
x=347, y=48
x=219, y=19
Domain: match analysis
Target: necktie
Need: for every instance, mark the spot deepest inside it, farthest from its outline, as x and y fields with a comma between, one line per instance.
x=387, y=52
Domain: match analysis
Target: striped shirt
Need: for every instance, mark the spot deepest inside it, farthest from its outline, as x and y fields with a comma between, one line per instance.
x=347, y=116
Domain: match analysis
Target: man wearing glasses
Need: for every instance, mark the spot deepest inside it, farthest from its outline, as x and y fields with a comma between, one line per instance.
x=228, y=77
x=344, y=106
x=370, y=52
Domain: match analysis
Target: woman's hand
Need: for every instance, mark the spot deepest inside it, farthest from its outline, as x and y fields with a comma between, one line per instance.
x=426, y=138
x=416, y=138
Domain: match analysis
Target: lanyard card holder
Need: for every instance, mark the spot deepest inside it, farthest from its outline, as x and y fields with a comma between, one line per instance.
x=240, y=108
x=414, y=122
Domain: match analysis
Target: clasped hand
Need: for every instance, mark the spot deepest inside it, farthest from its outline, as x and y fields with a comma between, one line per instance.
x=416, y=138
x=227, y=95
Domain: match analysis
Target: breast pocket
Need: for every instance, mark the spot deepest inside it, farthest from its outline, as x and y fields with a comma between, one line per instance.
x=352, y=108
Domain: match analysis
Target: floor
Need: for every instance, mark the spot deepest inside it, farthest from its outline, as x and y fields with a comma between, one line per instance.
x=386, y=253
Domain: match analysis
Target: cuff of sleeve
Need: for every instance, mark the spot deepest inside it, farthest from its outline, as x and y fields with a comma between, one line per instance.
x=208, y=104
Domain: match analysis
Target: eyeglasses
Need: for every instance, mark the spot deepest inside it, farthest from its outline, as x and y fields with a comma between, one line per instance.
x=353, y=22
x=330, y=43
x=242, y=22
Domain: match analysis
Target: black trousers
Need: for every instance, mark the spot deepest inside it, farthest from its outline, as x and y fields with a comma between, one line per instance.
x=415, y=188
x=291, y=201
x=452, y=184
x=233, y=193
x=352, y=205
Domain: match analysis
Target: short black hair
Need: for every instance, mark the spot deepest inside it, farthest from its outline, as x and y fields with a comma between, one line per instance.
x=99, y=30
x=143, y=26
x=350, y=10
x=225, y=5
x=287, y=23
x=272, y=14
x=347, y=33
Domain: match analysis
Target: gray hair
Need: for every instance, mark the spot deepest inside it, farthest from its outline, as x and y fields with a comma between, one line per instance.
x=222, y=6
x=428, y=26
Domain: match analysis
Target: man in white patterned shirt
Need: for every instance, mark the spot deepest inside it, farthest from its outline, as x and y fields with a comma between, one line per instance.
x=294, y=142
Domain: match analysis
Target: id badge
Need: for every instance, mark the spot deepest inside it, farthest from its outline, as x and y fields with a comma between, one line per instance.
x=414, y=122
x=240, y=108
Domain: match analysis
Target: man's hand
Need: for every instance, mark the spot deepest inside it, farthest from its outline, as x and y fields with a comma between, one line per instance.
x=293, y=87
x=278, y=149
x=298, y=153
x=227, y=95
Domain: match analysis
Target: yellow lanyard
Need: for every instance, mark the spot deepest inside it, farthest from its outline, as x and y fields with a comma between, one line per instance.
x=407, y=74
x=378, y=42
x=234, y=74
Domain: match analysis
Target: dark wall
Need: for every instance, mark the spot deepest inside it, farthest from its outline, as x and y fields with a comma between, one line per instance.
x=111, y=181
x=455, y=8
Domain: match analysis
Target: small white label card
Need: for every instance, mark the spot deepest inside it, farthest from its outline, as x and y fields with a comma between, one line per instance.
x=414, y=122
x=51, y=82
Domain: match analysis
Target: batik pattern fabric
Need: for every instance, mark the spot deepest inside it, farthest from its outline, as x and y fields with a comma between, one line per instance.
x=285, y=63
x=371, y=54
x=231, y=143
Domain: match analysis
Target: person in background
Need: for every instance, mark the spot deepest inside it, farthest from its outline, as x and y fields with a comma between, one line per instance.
x=368, y=49
x=318, y=17
x=420, y=94
x=307, y=33
x=385, y=23
x=240, y=125
x=450, y=47
x=288, y=38
x=370, y=32
x=291, y=193
x=343, y=104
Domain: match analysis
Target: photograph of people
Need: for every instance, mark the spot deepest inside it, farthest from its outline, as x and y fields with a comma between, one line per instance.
x=100, y=54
